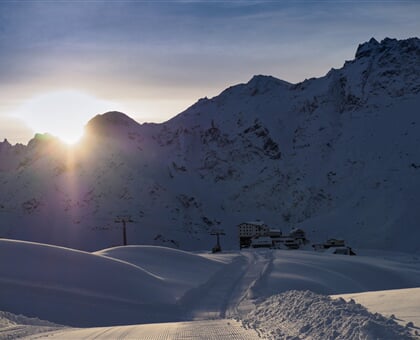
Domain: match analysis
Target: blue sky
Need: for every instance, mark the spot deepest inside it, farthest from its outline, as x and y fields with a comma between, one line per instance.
x=152, y=59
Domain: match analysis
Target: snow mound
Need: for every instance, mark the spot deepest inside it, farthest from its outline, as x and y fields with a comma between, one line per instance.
x=181, y=269
x=69, y=287
x=334, y=274
x=306, y=315
x=10, y=319
x=14, y=326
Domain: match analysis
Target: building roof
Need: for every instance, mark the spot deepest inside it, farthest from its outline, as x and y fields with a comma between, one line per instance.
x=255, y=223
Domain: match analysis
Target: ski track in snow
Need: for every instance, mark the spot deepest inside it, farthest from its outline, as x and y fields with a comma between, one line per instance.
x=227, y=293
x=236, y=299
x=206, y=330
x=239, y=301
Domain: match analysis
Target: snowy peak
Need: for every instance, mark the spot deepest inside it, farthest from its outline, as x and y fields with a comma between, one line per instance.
x=111, y=119
x=110, y=123
x=373, y=47
x=261, y=83
x=41, y=139
x=258, y=85
x=391, y=57
x=43, y=143
x=380, y=72
x=366, y=49
x=5, y=145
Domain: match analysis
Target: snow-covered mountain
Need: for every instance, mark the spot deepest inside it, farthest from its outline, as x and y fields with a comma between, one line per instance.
x=337, y=156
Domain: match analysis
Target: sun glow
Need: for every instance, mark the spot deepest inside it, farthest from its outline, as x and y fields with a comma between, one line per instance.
x=62, y=113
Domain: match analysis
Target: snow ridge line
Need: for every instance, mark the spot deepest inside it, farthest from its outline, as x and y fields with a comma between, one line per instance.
x=133, y=265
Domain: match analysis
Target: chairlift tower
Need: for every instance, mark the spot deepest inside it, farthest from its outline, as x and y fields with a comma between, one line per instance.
x=124, y=220
x=217, y=247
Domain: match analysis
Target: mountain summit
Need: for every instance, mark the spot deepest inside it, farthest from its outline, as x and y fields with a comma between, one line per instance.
x=111, y=122
x=336, y=156
x=366, y=49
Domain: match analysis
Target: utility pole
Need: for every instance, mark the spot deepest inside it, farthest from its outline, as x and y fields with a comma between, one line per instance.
x=124, y=220
x=217, y=247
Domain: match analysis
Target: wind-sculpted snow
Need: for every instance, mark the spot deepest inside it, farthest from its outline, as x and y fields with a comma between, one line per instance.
x=70, y=287
x=144, y=284
x=306, y=315
x=181, y=270
x=334, y=274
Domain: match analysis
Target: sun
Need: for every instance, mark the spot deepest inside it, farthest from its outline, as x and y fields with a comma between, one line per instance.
x=62, y=113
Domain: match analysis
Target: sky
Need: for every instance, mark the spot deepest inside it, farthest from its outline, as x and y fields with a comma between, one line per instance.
x=63, y=62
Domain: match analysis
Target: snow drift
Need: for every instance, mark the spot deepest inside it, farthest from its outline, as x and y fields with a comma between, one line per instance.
x=77, y=288
x=180, y=269
x=305, y=315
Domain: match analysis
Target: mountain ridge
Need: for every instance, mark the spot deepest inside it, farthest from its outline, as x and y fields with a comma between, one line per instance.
x=327, y=154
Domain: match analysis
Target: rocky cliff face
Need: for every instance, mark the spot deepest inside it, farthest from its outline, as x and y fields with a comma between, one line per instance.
x=336, y=155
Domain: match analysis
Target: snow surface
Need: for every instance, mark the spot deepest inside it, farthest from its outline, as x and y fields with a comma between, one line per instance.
x=401, y=304
x=69, y=287
x=180, y=269
x=17, y=326
x=199, y=330
x=143, y=284
x=305, y=315
x=331, y=274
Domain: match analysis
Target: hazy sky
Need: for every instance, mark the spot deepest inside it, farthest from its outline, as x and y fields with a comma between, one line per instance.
x=152, y=59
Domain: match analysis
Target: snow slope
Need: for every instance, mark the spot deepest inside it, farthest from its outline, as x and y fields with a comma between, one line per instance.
x=401, y=304
x=78, y=288
x=143, y=284
x=200, y=330
x=336, y=156
x=333, y=274
x=180, y=269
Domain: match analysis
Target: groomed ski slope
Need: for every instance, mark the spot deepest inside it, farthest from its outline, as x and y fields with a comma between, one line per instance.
x=203, y=330
x=143, y=284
